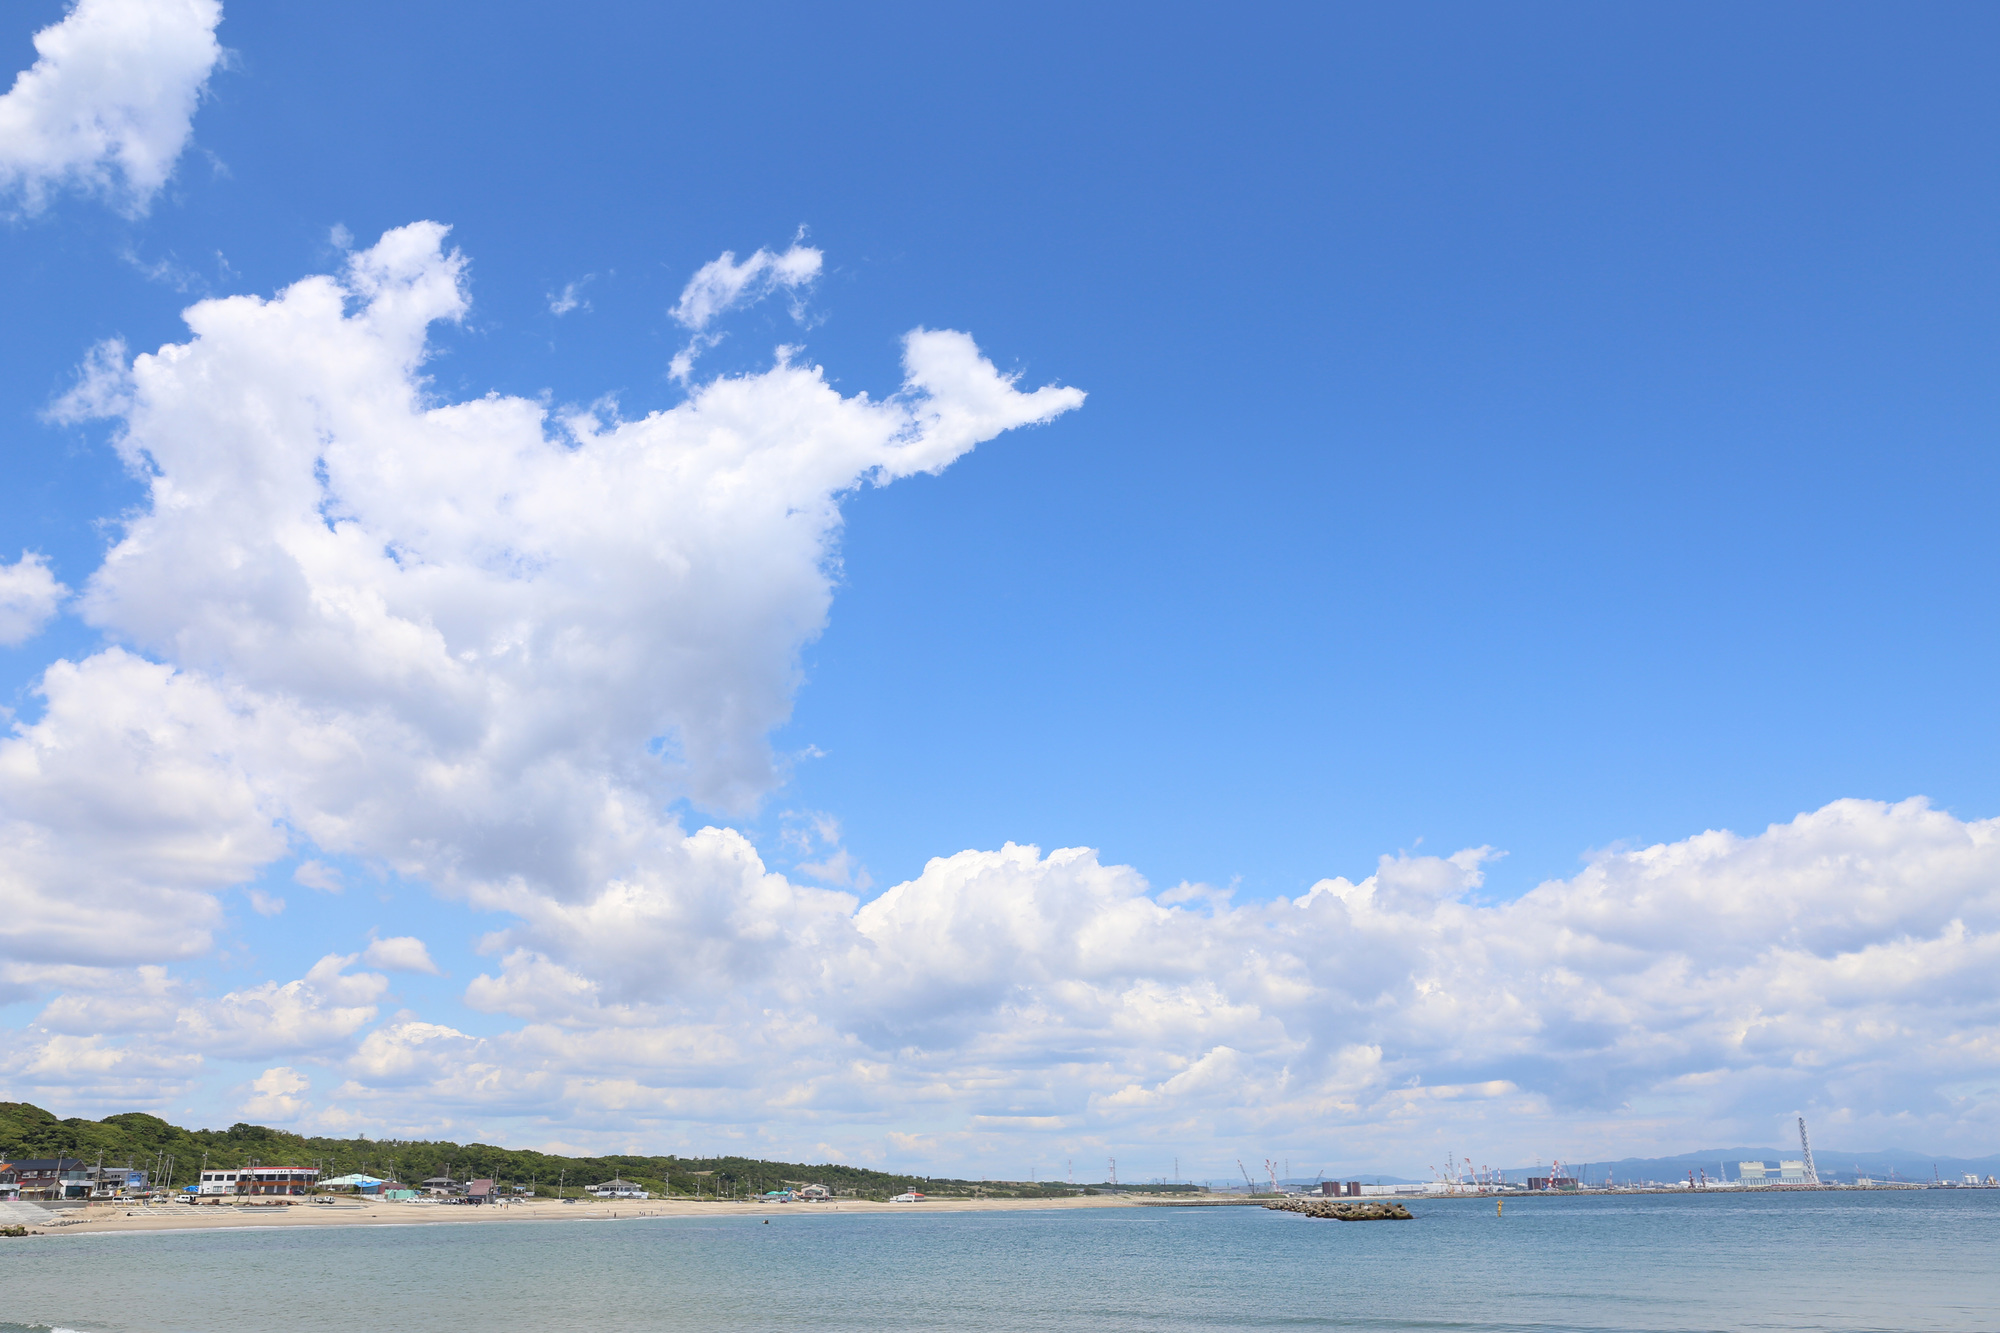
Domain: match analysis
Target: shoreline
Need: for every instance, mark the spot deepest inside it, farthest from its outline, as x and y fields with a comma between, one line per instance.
x=112, y=1218
x=99, y=1219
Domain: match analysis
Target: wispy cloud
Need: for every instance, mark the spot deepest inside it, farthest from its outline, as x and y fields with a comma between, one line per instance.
x=570, y=298
x=723, y=284
x=318, y=875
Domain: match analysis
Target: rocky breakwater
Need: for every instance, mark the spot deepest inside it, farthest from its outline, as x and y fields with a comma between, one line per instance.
x=1344, y=1210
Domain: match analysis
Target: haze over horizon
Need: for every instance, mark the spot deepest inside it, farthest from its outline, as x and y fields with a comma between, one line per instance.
x=1339, y=585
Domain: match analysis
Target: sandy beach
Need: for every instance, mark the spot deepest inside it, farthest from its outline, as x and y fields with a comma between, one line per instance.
x=92, y=1219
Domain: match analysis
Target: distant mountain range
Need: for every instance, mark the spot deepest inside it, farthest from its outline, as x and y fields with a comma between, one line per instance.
x=1835, y=1165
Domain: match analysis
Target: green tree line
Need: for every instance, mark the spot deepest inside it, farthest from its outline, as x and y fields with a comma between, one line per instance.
x=140, y=1140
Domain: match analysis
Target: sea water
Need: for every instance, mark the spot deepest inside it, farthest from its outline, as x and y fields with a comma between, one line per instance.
x=1915, y=1260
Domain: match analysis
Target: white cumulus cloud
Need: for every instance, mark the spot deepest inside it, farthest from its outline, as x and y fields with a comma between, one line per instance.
x=276, y=1095
x=122, y=810
x=98, y=1072
x=322, y=1008
x=29, y=596
x=472, y=645
x=319, y=1010
x=400, y=953
x=1841, y=964
x=109, y=103
x=460, y=640
x=117, y=1036
x=318, y=875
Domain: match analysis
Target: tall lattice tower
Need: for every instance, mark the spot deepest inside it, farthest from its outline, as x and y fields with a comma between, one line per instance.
x=1812, y=1172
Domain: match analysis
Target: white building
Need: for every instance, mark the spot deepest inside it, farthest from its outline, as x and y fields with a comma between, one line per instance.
x=217, y=1182
x=1750, y=1173
x=1791, y=1173
x=258, y=1180
x=619, y=1189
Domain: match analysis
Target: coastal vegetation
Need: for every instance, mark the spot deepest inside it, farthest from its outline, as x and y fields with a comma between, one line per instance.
x=144, y=1140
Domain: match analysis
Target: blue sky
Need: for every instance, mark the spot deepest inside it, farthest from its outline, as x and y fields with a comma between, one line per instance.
x=1559, y=430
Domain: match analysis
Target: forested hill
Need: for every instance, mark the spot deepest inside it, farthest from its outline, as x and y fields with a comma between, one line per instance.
x=139, y=1139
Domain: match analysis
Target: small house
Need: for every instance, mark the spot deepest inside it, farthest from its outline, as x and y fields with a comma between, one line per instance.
x=48, y=1178
x=111, y=1182
x=620, y=1189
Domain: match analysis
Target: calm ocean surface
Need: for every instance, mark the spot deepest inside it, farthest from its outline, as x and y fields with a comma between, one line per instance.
x=1918, y=1260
